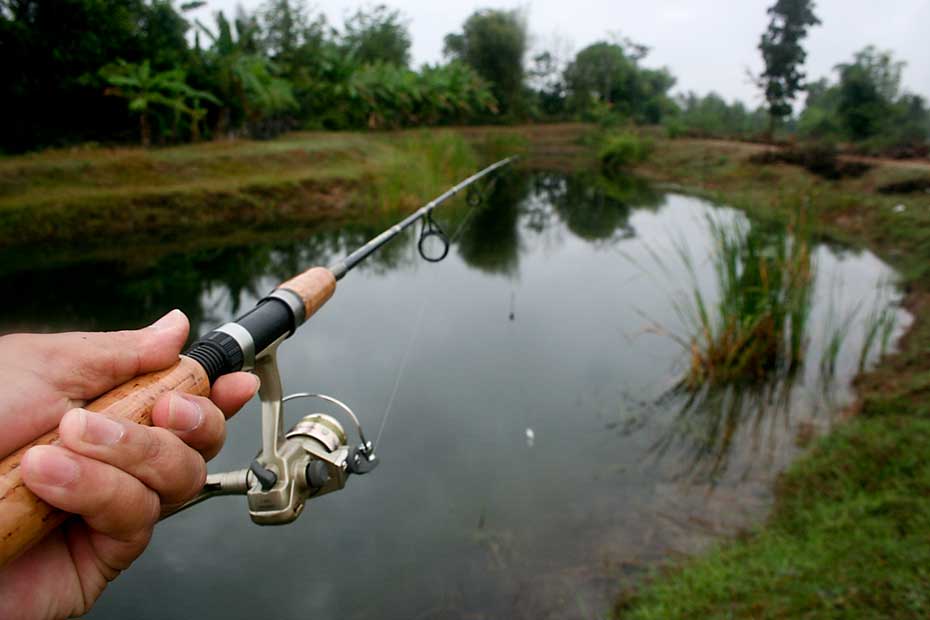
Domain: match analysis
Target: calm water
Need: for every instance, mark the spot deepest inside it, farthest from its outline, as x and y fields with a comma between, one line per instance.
x=537, y=324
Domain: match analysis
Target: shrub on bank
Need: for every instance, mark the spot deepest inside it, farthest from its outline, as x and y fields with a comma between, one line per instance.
x=623, y=150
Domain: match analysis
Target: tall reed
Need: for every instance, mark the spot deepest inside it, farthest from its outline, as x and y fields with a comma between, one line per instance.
x=757, y=323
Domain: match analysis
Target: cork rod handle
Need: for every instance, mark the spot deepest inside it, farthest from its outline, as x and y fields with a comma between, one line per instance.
x=314, y=286
x=24, y=518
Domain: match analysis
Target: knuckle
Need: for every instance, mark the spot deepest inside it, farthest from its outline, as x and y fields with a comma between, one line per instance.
x=117, y=495
x=172, y=469
x=153, y=447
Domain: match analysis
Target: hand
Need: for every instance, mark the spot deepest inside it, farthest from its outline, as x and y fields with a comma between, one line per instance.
x=114, y=474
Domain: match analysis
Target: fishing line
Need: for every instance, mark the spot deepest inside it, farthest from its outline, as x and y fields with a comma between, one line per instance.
x=416, y=331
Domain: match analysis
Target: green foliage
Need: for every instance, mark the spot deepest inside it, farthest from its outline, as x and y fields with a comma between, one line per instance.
x=145, y=89
x=493, y=42
x=547, y=87
x=619, y=152
x=867, y=106
x=819, y=119
x=608, y=76
x=279, y=68
x=383, y=96
x=53, y=52
x=711, y=116
x=378, y=35
x=245, y=78
x=783, y=55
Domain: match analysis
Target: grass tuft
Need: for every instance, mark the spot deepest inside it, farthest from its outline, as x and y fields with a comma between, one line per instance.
x=756, y=327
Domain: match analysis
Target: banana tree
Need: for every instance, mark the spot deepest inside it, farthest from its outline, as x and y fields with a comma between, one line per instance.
x=245, y=78
x=145, y=89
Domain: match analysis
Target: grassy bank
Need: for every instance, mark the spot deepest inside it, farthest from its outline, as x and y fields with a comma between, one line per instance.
x=850, y=533
x=83, y=195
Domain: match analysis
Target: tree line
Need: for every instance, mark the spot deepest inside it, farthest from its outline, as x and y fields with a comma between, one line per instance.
x=865, y=103
x=121, y=70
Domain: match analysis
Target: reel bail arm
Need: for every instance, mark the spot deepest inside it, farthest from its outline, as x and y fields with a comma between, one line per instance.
x=312, y=459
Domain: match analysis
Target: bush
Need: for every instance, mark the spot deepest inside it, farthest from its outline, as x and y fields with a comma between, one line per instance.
x=622, y=150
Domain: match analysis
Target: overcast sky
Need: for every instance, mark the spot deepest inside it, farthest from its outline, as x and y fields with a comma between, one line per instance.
x=707, y=44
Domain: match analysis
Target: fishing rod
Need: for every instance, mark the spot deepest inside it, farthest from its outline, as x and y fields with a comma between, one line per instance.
x=312, y=459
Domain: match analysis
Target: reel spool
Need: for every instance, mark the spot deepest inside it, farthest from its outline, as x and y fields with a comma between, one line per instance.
x=313, y=458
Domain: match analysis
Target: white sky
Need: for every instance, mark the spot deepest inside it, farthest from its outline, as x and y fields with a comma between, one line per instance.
x=707, y=44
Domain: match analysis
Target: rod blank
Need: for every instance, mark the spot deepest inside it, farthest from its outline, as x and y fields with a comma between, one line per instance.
x=342, y=267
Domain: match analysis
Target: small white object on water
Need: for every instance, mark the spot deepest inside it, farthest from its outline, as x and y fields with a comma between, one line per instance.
x=530, y=438
x=899, y=209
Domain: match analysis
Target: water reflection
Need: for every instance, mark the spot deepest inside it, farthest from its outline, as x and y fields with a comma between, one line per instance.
x=466, y=517
x=491, y=240
x=128, y=291
x=597, y=208
x=593, y=207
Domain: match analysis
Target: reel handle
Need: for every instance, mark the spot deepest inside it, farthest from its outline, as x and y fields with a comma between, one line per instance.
x=24, y=518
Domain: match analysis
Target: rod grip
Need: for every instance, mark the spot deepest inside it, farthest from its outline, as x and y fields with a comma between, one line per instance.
x=24, y=518
x=314, y=286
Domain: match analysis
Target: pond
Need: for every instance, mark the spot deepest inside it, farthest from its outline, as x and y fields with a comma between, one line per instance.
x=537, y=455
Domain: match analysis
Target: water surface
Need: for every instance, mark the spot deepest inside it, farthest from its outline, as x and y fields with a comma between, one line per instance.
x=534, y=459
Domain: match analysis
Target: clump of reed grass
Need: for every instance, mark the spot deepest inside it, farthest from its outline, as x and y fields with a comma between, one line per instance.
x=417, y=166
x=756, y=326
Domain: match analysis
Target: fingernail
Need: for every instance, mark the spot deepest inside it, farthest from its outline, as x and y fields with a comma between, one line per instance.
x=99, y=429
x=169, y=321
x=258, y=382
x=183, y=414
x=52, y=467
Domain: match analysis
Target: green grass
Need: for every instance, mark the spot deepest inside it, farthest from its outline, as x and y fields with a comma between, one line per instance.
x=849, y=540
x=96, y=194
x=850, y=533
x=421, y=165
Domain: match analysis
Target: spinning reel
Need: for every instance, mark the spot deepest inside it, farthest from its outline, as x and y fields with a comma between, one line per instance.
x=312, y=459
